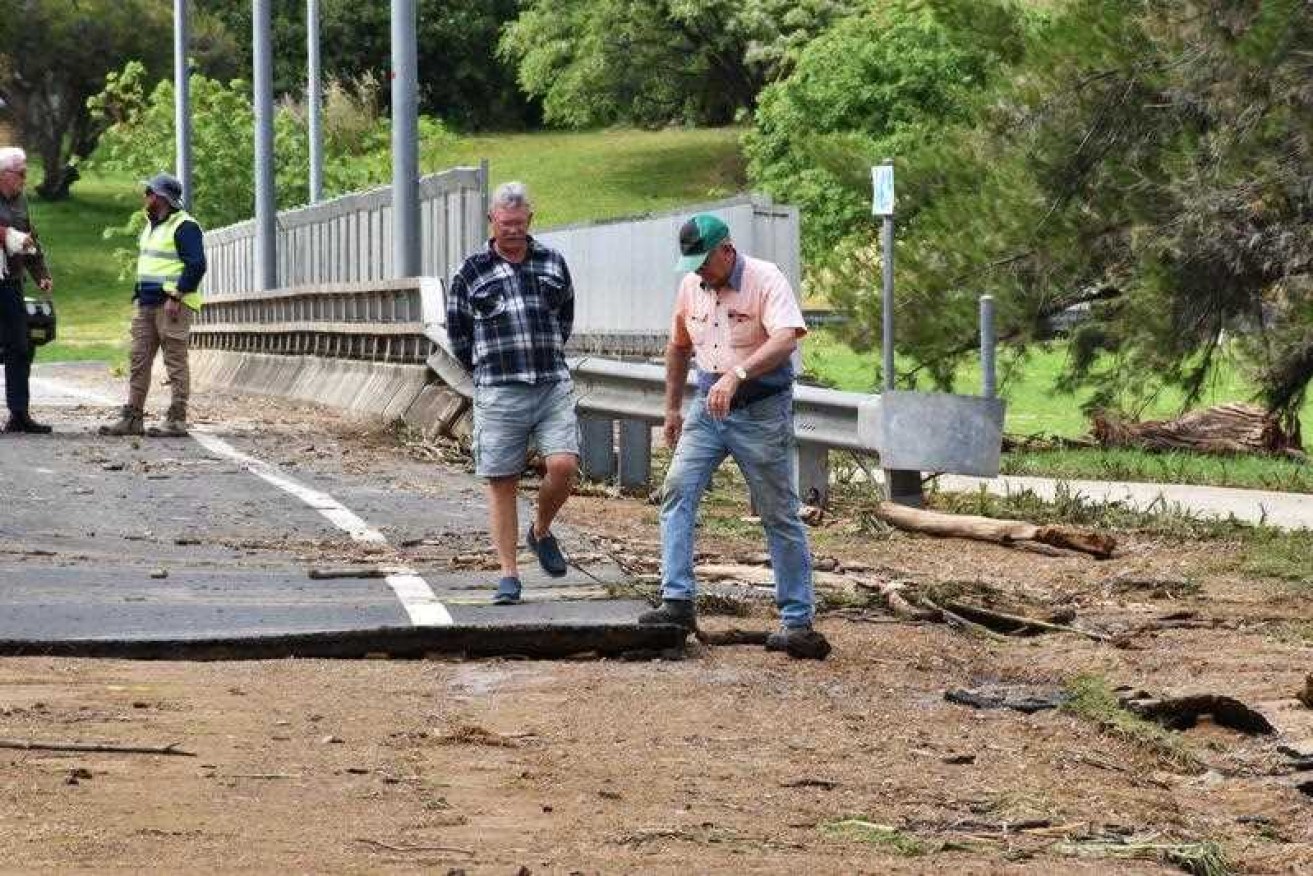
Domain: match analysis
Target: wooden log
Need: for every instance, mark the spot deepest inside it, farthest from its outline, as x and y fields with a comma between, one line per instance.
x=1005, y=532
x=1222, y=429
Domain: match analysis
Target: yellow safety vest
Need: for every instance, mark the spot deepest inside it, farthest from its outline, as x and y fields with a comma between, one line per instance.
x=157, y=258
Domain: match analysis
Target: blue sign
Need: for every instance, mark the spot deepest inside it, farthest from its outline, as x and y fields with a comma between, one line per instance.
x=882, y=184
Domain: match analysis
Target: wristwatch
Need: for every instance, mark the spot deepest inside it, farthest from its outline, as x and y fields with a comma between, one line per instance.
x=740, y=372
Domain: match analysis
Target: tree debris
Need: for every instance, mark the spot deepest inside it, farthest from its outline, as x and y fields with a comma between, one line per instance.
x=1223, y=429
x=1005, y=532
x=1182, y=713
x=106, y=747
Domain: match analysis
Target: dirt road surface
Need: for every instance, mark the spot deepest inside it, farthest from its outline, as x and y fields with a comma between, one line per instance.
x=732, y=760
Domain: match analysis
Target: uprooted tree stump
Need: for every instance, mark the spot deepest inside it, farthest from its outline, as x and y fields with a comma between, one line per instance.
x=1006, y=532
x=1224, y=429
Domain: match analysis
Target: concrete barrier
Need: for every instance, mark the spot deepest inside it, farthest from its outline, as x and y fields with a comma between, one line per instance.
x=367, y=388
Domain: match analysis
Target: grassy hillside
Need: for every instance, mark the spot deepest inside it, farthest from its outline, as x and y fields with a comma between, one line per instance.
x=92, y=303
x=605, y=174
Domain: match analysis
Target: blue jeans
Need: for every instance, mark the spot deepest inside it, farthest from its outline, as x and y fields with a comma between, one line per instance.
x=760, y=438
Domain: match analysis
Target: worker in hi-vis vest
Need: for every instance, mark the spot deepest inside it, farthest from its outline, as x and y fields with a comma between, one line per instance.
x=170, y=265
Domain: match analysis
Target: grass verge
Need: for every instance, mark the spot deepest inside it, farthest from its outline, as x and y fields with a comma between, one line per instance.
x=1092, y=698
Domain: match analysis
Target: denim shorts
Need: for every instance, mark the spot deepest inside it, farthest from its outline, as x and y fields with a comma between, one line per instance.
x=508, y=416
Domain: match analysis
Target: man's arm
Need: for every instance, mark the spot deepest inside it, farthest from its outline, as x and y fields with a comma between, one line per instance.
x=460, y=323
x=565, y=315
x=191, y=250
x=677, y=359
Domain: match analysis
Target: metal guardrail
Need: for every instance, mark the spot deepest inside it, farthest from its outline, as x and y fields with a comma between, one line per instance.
x=403, y=321
x=824, y=417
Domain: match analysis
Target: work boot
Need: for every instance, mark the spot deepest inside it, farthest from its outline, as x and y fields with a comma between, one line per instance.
x=676, y=612
x=172, y=428
x=24, y=423
x=128, y=423
x=801, y=642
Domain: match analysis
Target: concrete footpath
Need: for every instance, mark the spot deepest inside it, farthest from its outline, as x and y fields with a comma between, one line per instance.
x=1280, y=510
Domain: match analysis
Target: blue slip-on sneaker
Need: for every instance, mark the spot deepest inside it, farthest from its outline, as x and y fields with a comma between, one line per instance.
x=508, y=591
x=548, y=551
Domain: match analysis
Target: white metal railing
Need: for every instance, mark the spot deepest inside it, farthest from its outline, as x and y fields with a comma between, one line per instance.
x=349, y=239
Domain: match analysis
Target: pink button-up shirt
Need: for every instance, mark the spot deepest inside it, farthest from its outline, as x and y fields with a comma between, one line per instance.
x=725, y=327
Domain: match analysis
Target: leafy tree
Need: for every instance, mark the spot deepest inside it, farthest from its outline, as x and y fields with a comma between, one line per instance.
x=653, y=62
x=1150, y=158
x=139, y=140
x=54, y=54
x=878, y=85
x=460, y=77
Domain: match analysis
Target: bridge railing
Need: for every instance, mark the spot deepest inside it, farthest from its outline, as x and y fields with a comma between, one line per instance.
x=404, y=322
x=349, y=239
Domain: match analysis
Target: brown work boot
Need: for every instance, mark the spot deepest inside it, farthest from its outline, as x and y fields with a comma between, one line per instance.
x=172, y=428
x=128, y=423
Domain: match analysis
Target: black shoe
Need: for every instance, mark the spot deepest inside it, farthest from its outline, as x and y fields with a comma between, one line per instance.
x=675, y=612
x=801, y=642
x=24, y=423
x=548, y=551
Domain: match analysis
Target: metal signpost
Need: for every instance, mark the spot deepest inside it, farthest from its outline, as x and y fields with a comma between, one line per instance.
x=266, y=206
x=904, y=486
x=182, y=100
x=405, y=135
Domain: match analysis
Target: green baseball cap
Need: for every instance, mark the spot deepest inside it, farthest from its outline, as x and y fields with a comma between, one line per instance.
x=697, y=238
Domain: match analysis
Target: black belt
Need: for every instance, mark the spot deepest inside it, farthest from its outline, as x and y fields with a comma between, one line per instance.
x=752, y=391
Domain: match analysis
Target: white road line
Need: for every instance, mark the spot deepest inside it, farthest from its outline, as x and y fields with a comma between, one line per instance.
x=415, y=594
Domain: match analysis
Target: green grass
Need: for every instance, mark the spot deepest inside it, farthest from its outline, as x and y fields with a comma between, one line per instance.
x=1092, y=699
x=581, y=176
x=92, y=303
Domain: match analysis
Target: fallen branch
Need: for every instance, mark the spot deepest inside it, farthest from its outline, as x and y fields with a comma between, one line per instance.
x=362, y=572
x=1013, y=624
x=892, y=594
x=391, y=848
x=733, y=636
x=954, y=619
x=29, y=745
x=1006, y=532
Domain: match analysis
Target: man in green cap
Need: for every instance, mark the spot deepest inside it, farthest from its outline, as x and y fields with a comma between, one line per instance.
x=740, y=319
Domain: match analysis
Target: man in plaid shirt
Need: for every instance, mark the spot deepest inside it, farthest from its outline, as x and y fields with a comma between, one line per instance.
x=510, y=309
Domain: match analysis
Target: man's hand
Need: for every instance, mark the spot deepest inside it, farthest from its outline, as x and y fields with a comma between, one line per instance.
x=721, y=394
x=45, y=285
x=172, y=307
x=673, y=427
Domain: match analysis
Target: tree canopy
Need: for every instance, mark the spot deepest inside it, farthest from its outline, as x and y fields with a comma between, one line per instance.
x=1152, y=158
x=656, y=62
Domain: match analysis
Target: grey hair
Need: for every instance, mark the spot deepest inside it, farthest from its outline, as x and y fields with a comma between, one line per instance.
x=510, y=195
x=12, y=158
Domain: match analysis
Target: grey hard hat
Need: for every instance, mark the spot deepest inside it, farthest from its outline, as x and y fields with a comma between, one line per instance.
x=166, y=185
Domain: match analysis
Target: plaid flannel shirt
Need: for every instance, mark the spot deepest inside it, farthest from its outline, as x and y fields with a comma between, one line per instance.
x=508, y=323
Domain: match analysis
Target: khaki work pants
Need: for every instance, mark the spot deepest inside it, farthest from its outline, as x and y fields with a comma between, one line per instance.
x=154, y=330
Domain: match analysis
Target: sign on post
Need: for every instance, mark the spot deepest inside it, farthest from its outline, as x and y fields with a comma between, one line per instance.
x=882, y=185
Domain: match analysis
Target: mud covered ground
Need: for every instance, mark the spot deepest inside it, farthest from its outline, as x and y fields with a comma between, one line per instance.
x=732, y=760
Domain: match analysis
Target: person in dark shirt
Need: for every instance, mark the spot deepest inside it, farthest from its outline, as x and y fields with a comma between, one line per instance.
x=510, y=310
x=170, y=265
x=16, y=349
